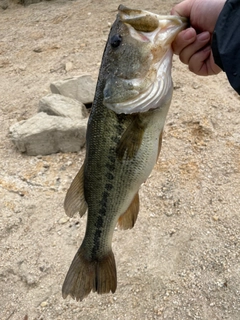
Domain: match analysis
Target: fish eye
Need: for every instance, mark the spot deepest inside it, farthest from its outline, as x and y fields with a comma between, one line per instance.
x=116, y=40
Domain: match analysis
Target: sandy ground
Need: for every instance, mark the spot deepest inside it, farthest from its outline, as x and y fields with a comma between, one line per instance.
x=182, y=259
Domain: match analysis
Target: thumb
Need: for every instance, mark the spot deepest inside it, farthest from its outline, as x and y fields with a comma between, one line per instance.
x=182, y=9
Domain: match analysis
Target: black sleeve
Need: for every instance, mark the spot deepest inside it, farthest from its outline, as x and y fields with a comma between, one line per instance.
x=226, y=42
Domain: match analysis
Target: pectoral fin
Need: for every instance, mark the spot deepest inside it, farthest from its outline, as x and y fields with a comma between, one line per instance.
x=131, y=139
x=75, y=200
x=160, y=144
x=129, y=217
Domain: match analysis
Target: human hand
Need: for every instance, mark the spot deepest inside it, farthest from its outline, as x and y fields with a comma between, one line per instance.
x=193, y=45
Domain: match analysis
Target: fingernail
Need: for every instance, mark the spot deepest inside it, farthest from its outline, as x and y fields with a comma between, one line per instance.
x=204, y=36
x=208, y=48
x=189, y=34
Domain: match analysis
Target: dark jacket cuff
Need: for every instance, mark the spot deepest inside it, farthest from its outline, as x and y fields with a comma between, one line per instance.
x=226, y=42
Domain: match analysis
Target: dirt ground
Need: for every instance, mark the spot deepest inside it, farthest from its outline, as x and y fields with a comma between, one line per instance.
x=182, y=259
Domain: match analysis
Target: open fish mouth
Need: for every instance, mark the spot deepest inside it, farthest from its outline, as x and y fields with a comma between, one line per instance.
x=145, y=90
x=145, y=21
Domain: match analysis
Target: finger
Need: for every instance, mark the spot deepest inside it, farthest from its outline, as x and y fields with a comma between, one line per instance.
x=183, y=39
x=182, y=9
x=201, y=41
x=214, y=67
x=202, y=63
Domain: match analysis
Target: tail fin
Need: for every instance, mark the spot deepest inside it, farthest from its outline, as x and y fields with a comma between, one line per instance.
x=83, y=276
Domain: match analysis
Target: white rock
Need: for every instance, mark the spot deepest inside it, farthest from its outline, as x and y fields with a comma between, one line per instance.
x=81, y=88
x=68, y=66
x=63, y=220
x=58, y=105
x=44, y=134
x=44, y=304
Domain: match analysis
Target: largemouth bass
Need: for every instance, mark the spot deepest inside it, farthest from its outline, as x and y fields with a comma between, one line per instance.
x=124, y=135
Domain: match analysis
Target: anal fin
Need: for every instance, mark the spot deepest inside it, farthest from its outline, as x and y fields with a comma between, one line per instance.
x=129, y=217
x=75, y=200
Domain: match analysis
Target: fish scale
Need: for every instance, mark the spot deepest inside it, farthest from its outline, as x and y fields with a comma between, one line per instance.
x=112, y=172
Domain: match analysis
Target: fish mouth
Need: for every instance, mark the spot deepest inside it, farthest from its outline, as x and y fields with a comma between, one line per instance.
x=153, y=24
x=158, y=31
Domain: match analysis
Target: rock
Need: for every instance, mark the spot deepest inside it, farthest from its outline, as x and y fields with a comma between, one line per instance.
x=28, y=2
x=44, y=304
x=44, y=134
x=68, y=66
x=63, y=220
x=81, y=88
x=4, y=4
x=57, y=105
x=60, y=125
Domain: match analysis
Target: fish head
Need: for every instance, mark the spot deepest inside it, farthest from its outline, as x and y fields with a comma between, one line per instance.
x=136, y=64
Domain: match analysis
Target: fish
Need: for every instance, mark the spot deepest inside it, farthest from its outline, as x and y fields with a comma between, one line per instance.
x=123, y=141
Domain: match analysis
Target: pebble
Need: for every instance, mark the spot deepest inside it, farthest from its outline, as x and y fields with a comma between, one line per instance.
x=172, y=231
x=63, y=220
x=44, y=304
x=195, y=86
x=22, y=68
x=68, y=66
x=168, y=213
x=215, y=218
x=38, y=50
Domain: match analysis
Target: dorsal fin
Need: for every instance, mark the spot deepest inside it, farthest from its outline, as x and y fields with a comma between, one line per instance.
x=129, y=217
x=75, y=200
